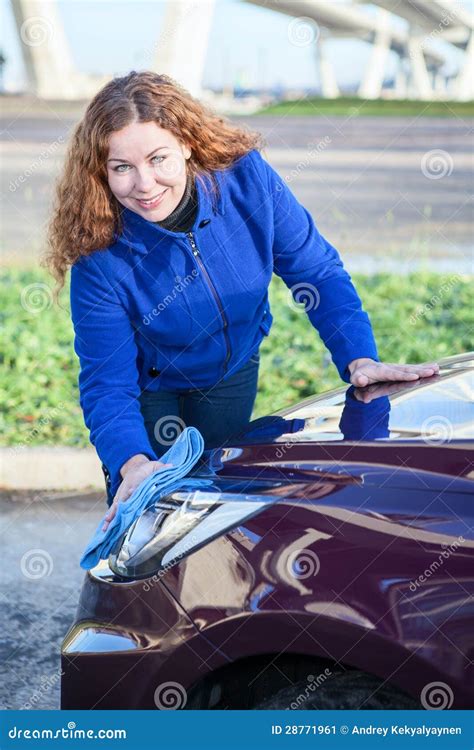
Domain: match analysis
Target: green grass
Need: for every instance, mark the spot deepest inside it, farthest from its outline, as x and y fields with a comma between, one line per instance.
x=355, y=107
x=38, y=389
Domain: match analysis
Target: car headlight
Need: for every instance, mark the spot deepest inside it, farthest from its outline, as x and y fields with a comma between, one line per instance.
x=179, y=524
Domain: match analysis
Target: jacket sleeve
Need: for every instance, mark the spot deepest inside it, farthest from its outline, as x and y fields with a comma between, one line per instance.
x=312, y=269
x=108, y=381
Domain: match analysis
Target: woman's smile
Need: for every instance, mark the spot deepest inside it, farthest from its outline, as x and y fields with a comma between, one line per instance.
x=150, y=203
x=146, y=169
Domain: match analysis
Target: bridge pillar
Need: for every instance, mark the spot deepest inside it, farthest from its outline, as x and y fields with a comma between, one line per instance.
x=420, y=79
x=401, y=81
x=372, y=83
x=439, y=84
x=464, y=84
x=327, y=77
x=44, y=48
x=182, y=44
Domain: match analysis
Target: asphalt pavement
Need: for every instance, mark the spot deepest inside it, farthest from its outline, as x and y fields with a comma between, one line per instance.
x=43, y=536
x=391, y=193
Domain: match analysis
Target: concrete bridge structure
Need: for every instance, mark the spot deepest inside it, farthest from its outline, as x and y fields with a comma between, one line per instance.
x=182, y=44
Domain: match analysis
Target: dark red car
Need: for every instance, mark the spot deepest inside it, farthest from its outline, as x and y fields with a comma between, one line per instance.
x=325, y=560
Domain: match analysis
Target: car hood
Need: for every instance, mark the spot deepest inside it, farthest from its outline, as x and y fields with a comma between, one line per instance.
x=324, y=449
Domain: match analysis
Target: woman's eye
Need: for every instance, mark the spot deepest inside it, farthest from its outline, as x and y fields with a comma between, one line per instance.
x=125, y=167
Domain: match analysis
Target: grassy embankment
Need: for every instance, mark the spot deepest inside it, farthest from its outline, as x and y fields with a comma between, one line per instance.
x=351, y=106
x=39, y=395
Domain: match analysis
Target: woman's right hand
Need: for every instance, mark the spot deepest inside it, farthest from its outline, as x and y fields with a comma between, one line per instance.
x=133, y=472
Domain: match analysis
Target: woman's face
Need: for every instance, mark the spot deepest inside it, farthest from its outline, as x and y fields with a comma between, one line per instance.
x=146, y=169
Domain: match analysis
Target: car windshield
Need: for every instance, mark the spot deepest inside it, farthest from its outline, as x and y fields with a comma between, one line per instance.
x=437, y=412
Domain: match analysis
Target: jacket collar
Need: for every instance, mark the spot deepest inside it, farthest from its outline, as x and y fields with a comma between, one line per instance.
x=143, y=235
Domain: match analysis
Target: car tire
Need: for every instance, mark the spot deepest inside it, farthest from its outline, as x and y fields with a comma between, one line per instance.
x=345, y=690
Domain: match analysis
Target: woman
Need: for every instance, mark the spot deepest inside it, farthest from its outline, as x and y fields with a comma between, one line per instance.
x=172, y=224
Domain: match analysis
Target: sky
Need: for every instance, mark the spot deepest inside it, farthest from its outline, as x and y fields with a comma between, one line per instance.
x=248, y=44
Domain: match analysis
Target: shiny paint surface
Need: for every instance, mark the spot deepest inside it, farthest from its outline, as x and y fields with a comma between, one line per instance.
x=361, y=551
x=163, y=644
x=366, y=559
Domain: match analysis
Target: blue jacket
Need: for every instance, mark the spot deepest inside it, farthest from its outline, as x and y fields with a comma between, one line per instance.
x=167, y=310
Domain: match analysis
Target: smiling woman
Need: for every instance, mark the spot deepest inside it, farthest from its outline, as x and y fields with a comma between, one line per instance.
x=157, y=189
x=151, y=184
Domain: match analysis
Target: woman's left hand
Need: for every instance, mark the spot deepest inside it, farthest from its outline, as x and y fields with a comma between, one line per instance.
x=365, y=371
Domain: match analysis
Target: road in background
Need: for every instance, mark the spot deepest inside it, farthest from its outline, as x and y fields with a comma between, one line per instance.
x=390, y=193
x=44, y=535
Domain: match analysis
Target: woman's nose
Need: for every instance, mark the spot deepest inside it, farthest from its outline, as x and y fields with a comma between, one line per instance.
x=145, y=180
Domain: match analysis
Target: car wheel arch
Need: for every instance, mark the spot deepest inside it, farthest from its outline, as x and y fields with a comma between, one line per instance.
x=299, y=636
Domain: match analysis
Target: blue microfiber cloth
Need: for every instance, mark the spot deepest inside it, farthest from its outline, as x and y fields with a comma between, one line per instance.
x=183, y=454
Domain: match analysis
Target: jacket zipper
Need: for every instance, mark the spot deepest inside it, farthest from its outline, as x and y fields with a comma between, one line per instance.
x=203, y=268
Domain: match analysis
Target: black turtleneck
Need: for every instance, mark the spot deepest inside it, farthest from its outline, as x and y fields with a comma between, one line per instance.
x=181, y=219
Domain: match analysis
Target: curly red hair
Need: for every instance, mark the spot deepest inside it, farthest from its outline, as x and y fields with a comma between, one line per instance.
x=86, y=215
